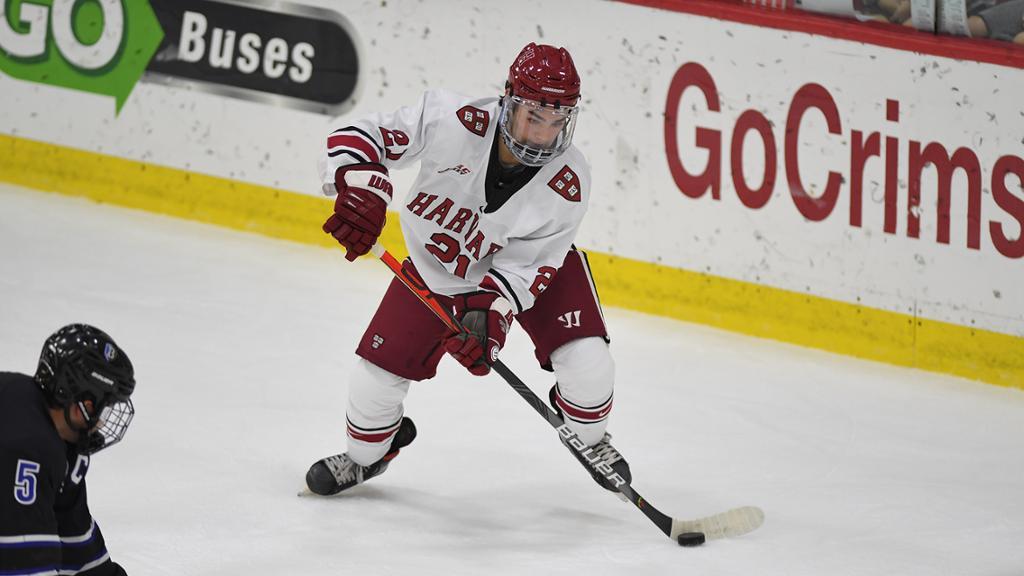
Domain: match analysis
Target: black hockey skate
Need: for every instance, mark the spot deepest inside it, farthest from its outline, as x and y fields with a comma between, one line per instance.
x=603, y=450
x=336, y=473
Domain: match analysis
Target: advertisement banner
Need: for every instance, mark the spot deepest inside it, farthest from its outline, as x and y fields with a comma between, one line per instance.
x=294, y=55
x=101, y=47
x=271, y=59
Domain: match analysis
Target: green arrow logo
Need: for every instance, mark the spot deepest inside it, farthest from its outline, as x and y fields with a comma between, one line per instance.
x=97, y=46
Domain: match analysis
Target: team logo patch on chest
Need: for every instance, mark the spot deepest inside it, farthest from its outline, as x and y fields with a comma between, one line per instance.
x=566, y=184
x=474, y=119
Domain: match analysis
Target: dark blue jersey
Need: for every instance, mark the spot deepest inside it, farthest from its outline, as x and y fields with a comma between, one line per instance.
x=45, y=524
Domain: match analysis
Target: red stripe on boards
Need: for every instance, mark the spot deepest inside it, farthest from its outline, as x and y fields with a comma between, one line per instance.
x=876, y=33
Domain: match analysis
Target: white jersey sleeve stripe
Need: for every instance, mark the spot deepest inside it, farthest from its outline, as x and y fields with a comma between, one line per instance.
x=41, y=538
x=78, y=539
x=29, y=539
x=71, y=571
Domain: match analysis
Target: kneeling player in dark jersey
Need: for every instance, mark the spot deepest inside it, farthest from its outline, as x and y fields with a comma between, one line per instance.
x=77, y=404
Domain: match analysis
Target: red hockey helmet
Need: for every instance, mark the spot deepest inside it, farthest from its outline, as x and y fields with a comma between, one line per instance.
x=545, y=74
x=538, y=114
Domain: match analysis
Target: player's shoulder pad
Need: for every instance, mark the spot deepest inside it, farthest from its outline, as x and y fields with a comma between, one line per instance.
x=443, y=98
x=25, y=425
x=569, y=176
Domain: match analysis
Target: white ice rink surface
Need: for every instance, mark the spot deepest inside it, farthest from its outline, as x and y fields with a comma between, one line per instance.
x=242, y=346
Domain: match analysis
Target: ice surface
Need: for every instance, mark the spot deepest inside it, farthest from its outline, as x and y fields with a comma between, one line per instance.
x=242, y=345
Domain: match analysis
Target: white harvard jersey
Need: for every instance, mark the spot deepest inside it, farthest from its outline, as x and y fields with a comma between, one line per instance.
x=455, y=245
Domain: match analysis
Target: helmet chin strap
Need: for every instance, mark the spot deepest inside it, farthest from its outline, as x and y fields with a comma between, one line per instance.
x=88, y=441
x=85, y=415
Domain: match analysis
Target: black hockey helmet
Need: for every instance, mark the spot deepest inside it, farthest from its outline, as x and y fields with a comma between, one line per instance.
x=81, y=363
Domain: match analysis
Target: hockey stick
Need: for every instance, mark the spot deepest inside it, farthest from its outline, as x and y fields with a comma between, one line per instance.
x=735, y=522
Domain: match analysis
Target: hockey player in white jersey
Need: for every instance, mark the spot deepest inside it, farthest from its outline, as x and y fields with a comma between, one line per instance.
x=489, y=225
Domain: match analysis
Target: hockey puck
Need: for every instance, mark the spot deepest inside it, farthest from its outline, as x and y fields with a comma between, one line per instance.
x=690, y=538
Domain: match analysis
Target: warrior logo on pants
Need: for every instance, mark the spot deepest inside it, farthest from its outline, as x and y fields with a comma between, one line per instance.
x=571, y=319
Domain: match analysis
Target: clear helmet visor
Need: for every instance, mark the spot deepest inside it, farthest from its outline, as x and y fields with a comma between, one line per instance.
x=535, y=133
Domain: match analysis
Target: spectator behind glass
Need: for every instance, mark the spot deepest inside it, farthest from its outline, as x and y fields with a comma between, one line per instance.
x=997, y=20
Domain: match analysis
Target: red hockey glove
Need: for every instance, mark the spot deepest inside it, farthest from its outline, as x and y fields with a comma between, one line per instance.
x=486, y=318
x=364, y=191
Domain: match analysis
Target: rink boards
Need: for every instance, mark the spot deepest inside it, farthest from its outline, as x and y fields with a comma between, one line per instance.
x=855, y=197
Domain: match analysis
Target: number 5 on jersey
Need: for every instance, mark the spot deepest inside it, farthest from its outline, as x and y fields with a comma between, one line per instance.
x=25, y=482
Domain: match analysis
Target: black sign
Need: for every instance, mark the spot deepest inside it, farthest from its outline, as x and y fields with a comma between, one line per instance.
x=275, y=52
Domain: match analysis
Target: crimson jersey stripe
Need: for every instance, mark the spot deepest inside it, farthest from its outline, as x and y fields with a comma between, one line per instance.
x=354, y=142
x=355, y=130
